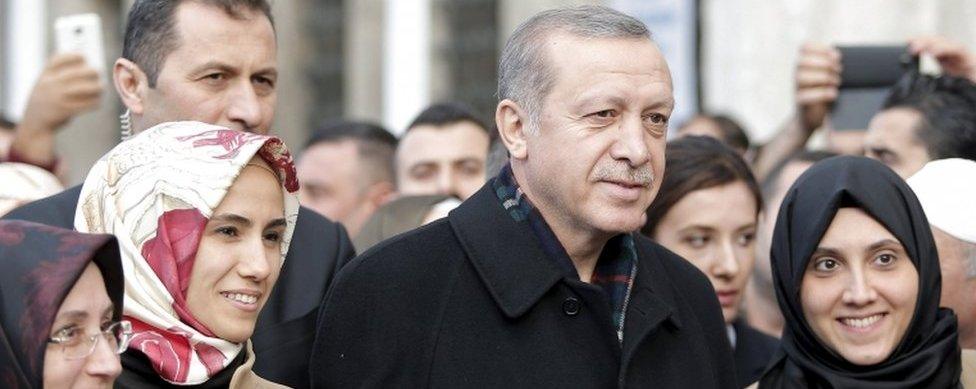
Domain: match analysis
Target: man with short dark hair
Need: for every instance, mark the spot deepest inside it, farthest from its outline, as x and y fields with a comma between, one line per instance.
x=346, y=171
x=924, y=119
x=538, y=279
x=215, y=61
x=443, y=152
x=168, y=71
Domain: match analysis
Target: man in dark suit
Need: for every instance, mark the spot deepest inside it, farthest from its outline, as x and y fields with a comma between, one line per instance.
x=214, y=61
x=538, y=279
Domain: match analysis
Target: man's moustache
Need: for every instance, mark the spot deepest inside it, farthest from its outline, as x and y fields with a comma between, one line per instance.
x=642, y=176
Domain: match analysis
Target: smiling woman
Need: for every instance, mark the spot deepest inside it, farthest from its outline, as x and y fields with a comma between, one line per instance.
x=859, y=290
x=204, y=216
x=60, y=308
x=857, y=278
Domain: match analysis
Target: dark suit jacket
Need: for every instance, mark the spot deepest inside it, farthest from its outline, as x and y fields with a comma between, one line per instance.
x=285, y=329
x=753, y=350
x=471, y=301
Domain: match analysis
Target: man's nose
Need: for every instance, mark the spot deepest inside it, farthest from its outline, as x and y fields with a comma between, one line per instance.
x=244, y=107
x=447, y=182
x=631, y=144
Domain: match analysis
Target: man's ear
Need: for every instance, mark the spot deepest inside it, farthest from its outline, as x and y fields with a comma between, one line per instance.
x=380, y=193
x=511, y=120
x=131, y=84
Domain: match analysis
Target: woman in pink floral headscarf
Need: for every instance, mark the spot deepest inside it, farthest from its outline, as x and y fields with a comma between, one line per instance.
x=203, y=216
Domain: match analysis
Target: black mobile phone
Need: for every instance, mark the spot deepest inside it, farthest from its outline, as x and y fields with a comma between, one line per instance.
x=867, y=74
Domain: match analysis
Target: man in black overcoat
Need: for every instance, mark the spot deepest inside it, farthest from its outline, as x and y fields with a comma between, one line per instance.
x=538, y=279
x=179, y=64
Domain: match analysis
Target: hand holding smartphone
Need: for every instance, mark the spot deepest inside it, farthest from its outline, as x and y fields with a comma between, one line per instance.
x=867, y=73
x=82, y=34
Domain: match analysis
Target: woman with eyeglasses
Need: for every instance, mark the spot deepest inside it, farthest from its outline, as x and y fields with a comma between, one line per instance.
x=203, y=216
x=61, y=299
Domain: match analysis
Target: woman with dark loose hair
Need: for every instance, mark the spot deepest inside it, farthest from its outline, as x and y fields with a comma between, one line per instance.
x=706, y=211
x=857, y=278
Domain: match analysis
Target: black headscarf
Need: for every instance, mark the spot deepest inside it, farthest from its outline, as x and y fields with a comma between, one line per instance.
x=39, y=265
x=928, y=355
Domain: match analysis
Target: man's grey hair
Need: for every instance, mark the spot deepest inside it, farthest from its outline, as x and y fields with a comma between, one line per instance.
x=524, y=73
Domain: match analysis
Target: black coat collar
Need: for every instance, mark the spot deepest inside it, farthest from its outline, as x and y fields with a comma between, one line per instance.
x=652, y=302
x=505, y=253
x=512, y=265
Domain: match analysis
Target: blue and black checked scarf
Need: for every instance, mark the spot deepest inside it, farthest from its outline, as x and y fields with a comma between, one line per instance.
x=616, y=268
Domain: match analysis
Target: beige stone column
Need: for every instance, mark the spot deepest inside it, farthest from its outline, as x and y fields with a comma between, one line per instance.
x=291, y=114
x=364, y=60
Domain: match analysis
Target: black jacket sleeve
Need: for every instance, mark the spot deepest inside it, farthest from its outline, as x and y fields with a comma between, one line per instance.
x=285, y=330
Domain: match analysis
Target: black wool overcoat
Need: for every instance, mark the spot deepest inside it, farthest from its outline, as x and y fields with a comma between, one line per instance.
x=471, y=301
x=753, y=352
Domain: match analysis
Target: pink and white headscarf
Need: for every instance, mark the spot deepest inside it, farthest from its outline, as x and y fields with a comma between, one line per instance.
x=155, y=193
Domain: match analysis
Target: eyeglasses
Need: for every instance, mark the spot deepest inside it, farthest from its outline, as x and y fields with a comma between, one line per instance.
x=77, y=345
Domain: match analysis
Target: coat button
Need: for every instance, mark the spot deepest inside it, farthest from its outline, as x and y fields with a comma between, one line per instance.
x=571, y=306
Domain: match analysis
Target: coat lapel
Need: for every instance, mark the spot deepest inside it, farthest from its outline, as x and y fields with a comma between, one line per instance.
x=651, y=303
x=505, y=253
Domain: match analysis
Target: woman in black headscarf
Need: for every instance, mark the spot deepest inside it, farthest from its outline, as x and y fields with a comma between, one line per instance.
x=857, y=278
x=60, y=307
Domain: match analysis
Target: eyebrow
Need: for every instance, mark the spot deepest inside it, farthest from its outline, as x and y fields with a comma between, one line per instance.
x=80, y=314
x=750, y=226
x=591, y=102
x=879, y=150
x=277, y=223
x=232, y=218
x=696, y=227
x=312, y=184
x=213, y=65
x=826, y=251
x=883, y=243
x=596, y=98
x=72, y=315
x=272, y=72
x=467, y=160
x=668, y=103
x=422, y=164
x=874, y=246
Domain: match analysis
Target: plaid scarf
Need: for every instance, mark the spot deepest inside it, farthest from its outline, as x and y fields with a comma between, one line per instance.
x=615, y=269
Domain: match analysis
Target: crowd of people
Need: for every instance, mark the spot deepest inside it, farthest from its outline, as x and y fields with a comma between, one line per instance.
x=573, y=243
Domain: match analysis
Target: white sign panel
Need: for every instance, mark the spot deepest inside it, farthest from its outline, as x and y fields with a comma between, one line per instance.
x=672, y=24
